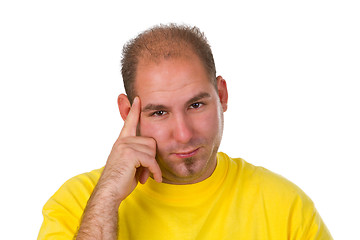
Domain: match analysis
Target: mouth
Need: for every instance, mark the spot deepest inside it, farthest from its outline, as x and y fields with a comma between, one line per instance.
x=186, y=154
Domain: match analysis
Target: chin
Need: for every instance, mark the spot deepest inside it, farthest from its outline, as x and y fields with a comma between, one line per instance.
x=187, y=170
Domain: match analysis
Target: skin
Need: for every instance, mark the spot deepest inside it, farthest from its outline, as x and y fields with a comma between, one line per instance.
x=182, y=111
x=172, y=134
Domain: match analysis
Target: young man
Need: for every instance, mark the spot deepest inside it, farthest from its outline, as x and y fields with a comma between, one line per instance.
x=173, y=114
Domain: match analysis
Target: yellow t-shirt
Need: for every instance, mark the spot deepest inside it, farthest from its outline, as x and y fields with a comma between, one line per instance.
x=238, y=201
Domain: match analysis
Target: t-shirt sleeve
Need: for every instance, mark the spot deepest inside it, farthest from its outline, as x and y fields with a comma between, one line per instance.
x=294, y=211
x=305, y=221
x=63, y=211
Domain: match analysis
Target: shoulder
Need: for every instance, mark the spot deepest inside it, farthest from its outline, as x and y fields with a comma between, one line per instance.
x=84, y=182
x=75, y=191
x=278, y=199
x=262, y=180
x=63, y=211
x=263, y=187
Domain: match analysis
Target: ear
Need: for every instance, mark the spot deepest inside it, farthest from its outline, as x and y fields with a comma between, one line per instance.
x=222, y=91
x=124, y=105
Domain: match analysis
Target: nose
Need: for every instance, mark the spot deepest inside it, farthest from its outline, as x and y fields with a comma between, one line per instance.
x=182, y=129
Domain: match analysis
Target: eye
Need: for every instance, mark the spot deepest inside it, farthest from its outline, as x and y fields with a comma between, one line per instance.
x=196, y=105
x=158, y=113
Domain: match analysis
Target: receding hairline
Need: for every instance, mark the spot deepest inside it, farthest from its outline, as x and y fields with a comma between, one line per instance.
x=164, y=42
x=187, y=55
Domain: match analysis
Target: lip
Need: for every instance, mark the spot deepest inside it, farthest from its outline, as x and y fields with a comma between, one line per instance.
x=186, y=154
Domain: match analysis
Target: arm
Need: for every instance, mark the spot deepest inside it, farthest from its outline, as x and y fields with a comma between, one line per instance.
x=132, y=159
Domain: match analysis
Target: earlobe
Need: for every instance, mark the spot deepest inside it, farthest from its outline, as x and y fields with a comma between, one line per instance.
x=124, y=105
x=222, y=91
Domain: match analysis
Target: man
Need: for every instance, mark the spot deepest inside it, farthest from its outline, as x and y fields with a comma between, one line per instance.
x=173, y=114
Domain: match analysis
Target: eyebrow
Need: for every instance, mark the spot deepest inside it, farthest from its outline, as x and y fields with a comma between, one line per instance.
x=157, y=107
x=198, y=97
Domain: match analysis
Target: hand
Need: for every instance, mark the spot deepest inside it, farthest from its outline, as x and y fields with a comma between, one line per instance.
x=131, y=160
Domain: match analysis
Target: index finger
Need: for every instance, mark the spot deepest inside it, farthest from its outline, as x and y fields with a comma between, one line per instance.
x=132, y=119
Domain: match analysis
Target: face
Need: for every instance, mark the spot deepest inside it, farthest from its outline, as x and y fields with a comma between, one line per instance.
x=183, y=112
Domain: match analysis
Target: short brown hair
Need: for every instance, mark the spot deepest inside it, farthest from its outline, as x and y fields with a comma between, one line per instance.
x=162, y=42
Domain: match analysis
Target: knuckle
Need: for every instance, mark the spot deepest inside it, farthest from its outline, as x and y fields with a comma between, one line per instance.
x=151, y=142
x=122, y=140
x=122, y=150
x=127, y=152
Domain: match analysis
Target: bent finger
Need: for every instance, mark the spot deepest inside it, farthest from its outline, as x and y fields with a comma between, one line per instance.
x=152, y=166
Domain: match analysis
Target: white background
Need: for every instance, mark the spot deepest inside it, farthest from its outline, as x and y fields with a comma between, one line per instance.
x=293, y=73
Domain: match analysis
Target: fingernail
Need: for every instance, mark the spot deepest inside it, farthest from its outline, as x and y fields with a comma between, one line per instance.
x=136, y=100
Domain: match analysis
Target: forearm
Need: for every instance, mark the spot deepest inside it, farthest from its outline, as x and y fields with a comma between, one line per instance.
x=100, y=218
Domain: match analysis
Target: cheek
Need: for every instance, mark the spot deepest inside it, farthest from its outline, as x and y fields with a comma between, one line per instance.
x=207, y=124
x=154, y=130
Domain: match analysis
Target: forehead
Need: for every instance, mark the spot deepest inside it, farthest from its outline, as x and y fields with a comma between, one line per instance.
x=173, y=79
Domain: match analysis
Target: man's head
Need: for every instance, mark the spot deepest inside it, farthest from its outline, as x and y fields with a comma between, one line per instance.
x=182, y=103
x=165, y=42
